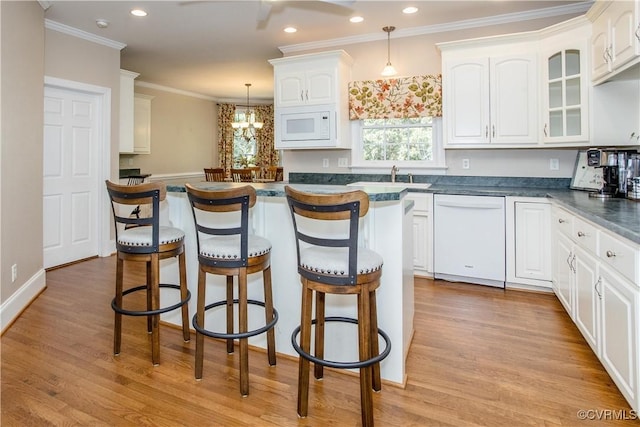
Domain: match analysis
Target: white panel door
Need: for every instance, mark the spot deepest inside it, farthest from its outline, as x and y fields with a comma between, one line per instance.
x=70, y=171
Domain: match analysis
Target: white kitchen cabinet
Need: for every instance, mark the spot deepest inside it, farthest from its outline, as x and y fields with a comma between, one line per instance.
x=142, y=124
x=311, y=83
x=127, y=111
x=615, y=43
x=596, y=279
x=311, y=79
x=565, y=95
x=490, y=100
x=619, y=332
x=422, y=233
x=528, y=238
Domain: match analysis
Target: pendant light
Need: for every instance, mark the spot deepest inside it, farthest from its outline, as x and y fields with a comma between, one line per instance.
x=388, y=70
x=249, y=125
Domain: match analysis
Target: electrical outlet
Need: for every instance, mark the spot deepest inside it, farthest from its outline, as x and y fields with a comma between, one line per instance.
x=343, y=162
x=325, y=163
x=465, y=163
x=14, y=272
x=554, y=164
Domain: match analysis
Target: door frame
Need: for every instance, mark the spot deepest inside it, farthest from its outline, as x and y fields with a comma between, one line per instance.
x=103, y=151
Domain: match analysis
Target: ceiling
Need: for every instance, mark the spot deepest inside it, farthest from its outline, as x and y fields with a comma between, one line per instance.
x=214, y=47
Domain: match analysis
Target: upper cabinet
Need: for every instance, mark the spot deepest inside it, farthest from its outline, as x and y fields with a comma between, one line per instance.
x=565, y=95
x=490, y=101
x=615, y=43
x=126, y=110
x=142, y=124
x=307, y=86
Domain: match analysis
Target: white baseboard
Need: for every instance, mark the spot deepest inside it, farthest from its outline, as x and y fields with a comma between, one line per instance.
x=12, y=307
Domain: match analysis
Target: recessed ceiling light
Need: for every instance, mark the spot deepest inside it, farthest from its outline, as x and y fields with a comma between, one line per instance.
x=290, y=30
x=410, y=9
x=356, y=19
x=138, y=12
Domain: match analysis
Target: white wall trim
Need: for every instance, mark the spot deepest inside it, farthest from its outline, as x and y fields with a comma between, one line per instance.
x=104, y=150
x=62, y=28
x=506, y=18
x=182, y=175
x=20, y=299
x=174, y=90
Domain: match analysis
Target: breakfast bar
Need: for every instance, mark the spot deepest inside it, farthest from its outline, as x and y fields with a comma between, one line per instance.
x=386, y=229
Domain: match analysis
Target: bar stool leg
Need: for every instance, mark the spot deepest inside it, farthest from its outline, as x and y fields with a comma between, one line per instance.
x=268, y=310
x=149, y=292
x=155, y=304
x=243, y=325
x=230, y=348
x=186, y=334
x=364, y=345
x=318, y=370
x=305, y=344
x=377, y=382
x=202, y=278
x=117, y=327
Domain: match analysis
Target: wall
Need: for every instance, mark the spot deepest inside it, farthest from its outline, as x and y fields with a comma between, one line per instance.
x=72, y=58
x=419, y=55
x=184, y=134
x=21, y=69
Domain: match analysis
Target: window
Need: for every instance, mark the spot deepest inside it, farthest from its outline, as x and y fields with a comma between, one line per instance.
x=244, y=143
x=413, y=143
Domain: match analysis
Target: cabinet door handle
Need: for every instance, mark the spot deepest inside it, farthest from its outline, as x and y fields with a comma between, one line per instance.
x=570, y=260
x=605, y=55
x=545, y=130
x=301, y=95
x=486, y=131
x=306, y=94
x=595, y=287
x=637, y=33
x=573, y=263
x=610, y=254
x=493, y=131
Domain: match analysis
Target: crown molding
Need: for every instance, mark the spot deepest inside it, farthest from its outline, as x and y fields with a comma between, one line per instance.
x=174, y=90
x=62, y=28
x=45, y=4
x=507, y=18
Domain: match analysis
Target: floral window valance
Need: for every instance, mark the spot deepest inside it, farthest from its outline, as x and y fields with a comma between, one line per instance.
x=404, y=97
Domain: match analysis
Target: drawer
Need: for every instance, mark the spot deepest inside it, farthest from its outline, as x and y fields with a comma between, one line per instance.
x=423, y=201
x=586, y=235
x=563, y=222
x=619, y=255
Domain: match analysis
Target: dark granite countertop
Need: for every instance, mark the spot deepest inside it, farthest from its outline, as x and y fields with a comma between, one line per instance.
x=272, y=189
x=620, y=216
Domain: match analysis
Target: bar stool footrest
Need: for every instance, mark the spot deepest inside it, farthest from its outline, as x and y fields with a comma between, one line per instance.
x=161, y=310
x=341, y=365
x=238, y=335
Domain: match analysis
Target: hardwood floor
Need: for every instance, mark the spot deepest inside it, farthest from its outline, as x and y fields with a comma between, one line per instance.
x=480, y=357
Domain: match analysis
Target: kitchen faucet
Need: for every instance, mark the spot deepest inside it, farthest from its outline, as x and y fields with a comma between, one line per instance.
x=394, y=170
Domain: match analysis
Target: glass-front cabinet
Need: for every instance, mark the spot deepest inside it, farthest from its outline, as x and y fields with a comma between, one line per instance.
x=565, y=95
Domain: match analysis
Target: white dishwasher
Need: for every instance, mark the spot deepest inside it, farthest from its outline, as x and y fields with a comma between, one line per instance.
x=469, y=239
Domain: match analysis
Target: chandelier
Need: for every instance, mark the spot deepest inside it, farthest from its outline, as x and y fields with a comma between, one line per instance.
x=247, y=127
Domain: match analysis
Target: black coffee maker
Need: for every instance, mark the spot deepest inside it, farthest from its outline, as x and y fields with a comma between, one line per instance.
x=613, y=164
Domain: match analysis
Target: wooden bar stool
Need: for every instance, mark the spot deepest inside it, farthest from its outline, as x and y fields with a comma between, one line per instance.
x=329, y=263
x=225, y=247
x=143, y=239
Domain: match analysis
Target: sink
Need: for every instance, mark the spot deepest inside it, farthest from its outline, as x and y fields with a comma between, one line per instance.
x=421, y=185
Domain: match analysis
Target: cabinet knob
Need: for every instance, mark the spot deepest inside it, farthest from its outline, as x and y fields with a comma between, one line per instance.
x=581, y=234
x=561, y=221
x=610, y=254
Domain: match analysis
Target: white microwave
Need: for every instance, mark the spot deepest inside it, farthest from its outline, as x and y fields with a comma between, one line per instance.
x=313, y=124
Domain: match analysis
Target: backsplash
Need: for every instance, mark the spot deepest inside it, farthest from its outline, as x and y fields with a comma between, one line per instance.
x=476, y=181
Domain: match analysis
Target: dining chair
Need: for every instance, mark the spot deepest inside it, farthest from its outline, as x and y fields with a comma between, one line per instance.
x=214, y=174
x=242, y=175
x=275, y=173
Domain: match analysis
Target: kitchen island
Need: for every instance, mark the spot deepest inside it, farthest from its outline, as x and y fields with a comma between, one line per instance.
x=386, y=229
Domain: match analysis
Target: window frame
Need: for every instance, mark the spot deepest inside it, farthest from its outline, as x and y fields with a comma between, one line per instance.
x=437, y=163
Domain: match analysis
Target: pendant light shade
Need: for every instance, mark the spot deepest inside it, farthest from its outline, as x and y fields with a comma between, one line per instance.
x=389, y=70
